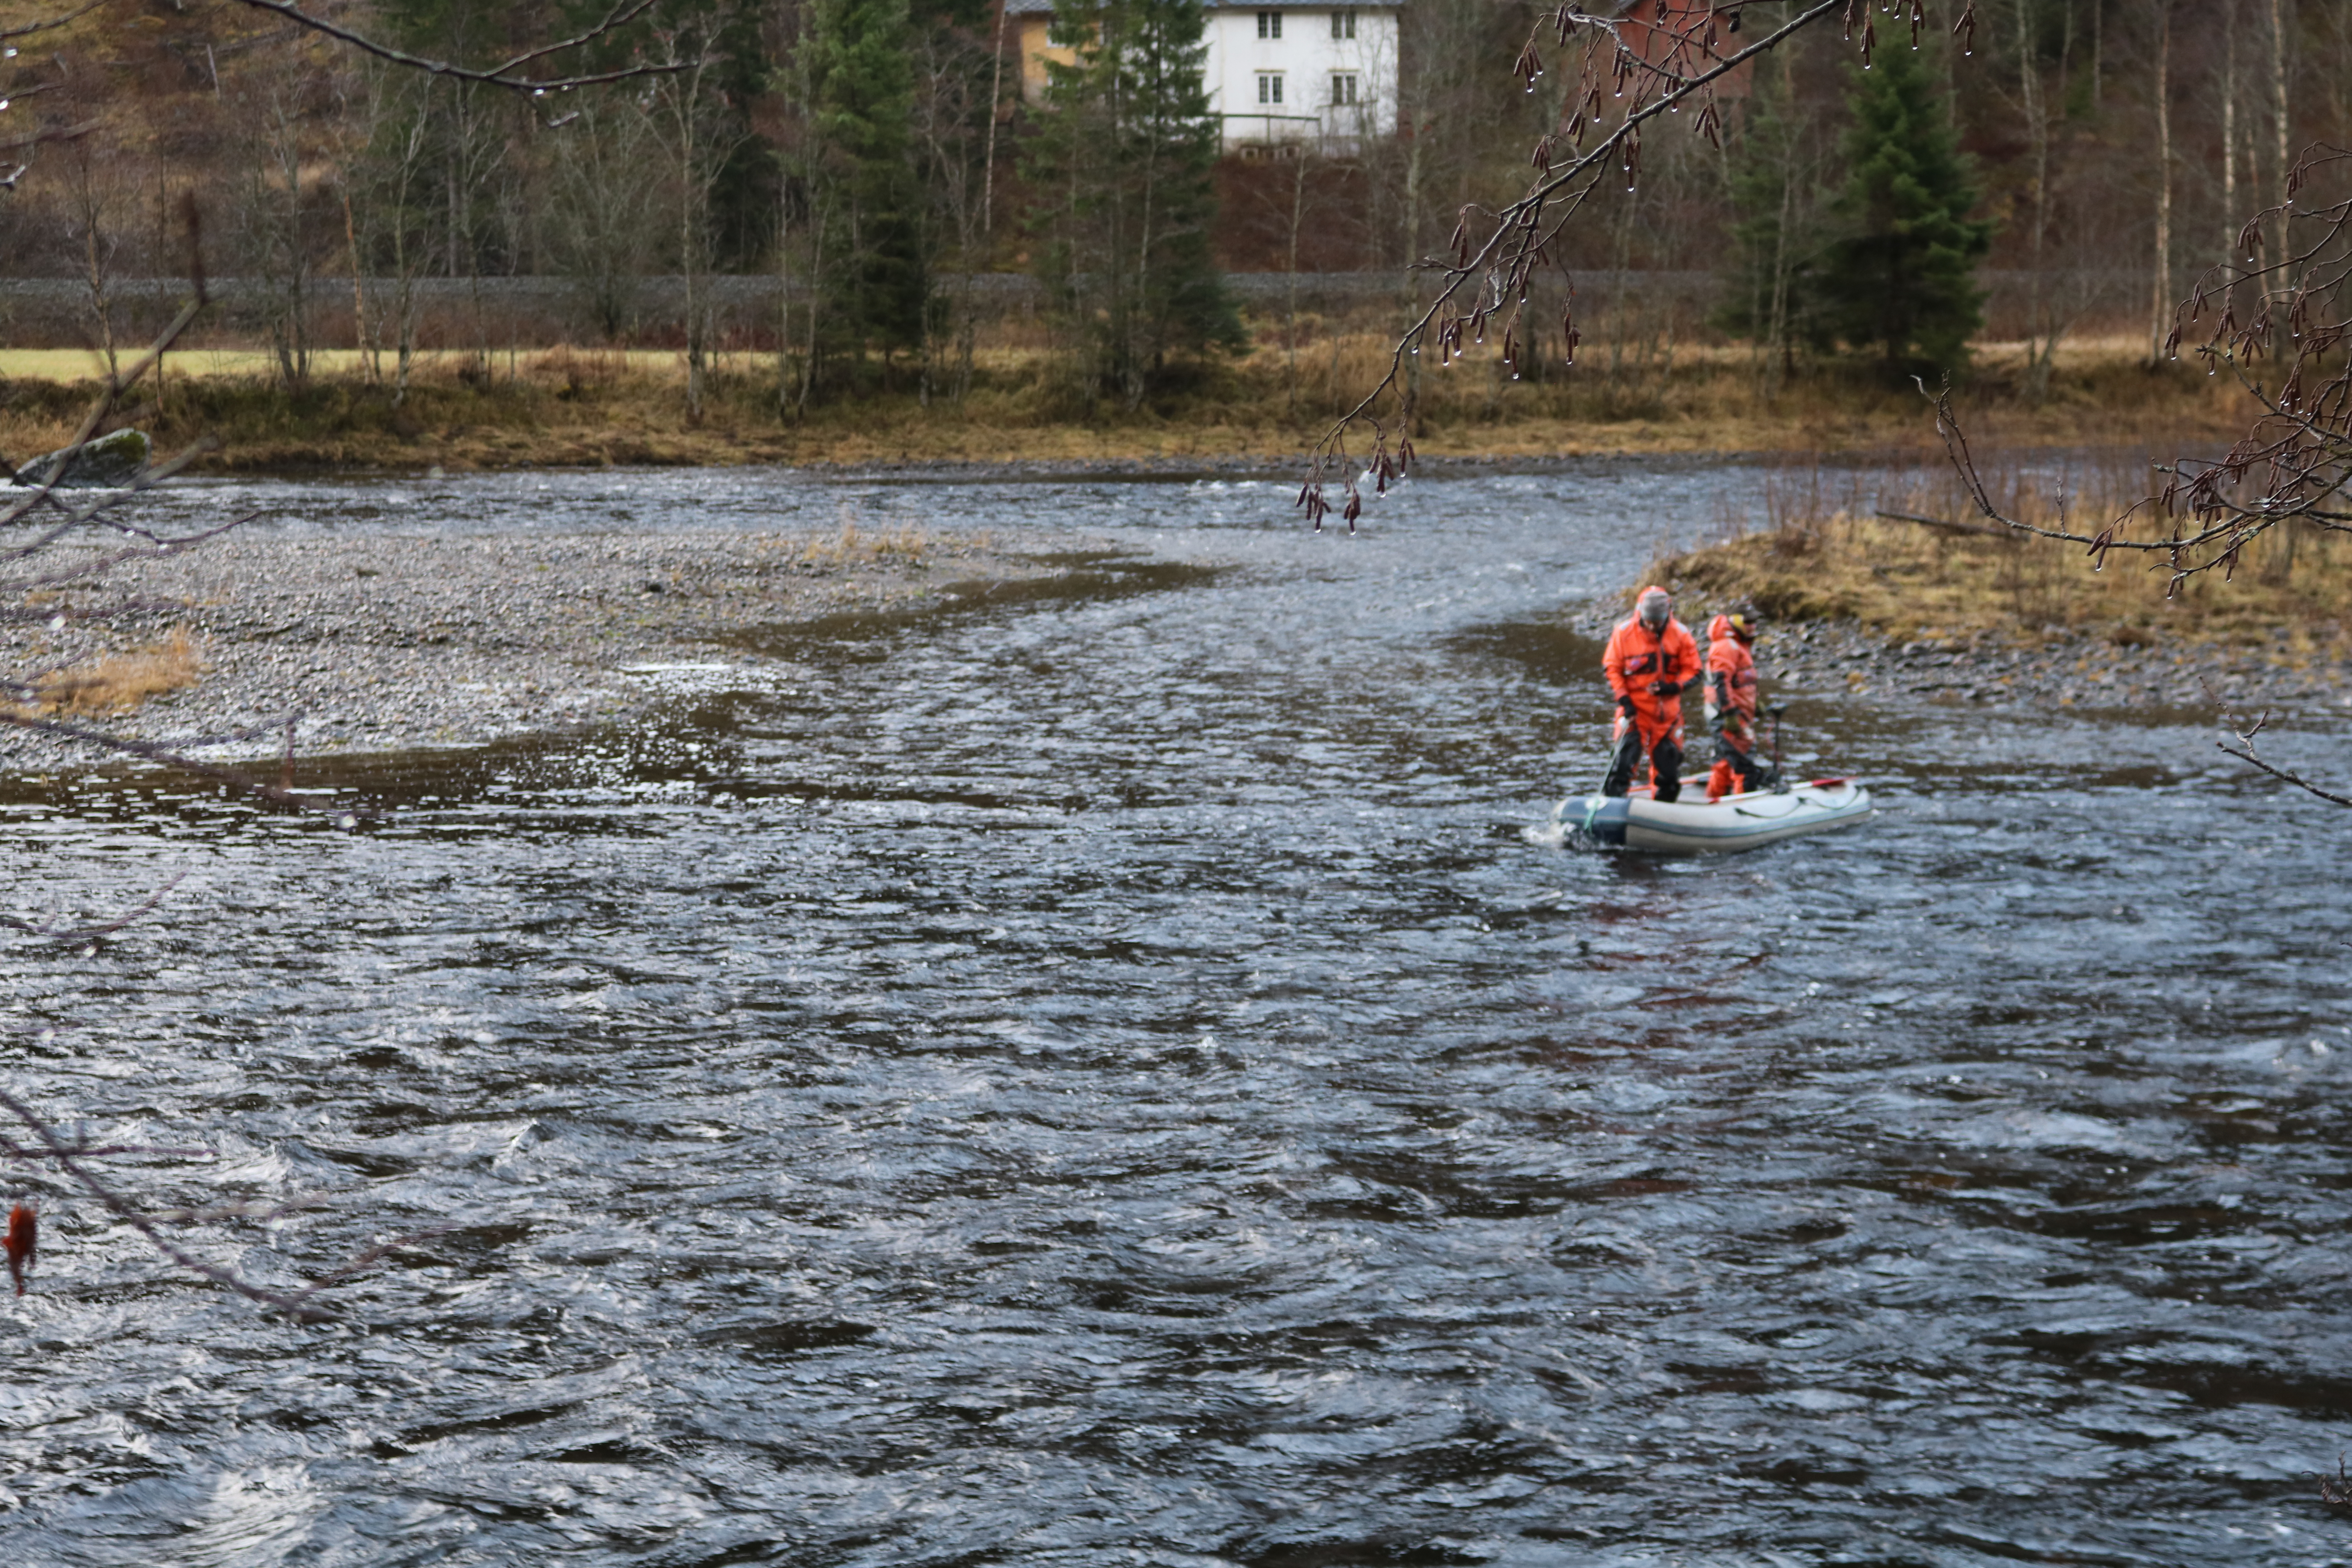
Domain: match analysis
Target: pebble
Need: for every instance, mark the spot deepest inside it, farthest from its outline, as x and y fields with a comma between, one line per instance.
x=383, y=643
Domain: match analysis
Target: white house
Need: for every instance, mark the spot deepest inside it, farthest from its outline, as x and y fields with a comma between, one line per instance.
x=1280, y=76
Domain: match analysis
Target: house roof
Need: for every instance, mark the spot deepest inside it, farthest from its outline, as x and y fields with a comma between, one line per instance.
x=1046, y=7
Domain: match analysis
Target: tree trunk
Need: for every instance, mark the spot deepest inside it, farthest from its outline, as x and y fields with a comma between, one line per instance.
x=2161, y=304
x=2231, y=219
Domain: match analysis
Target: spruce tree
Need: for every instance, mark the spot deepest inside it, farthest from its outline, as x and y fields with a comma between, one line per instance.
x=1902, y=276
x=1123, y=167
x=876, y=280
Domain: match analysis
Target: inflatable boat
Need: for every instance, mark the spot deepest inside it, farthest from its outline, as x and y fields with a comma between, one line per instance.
x=1735, y=822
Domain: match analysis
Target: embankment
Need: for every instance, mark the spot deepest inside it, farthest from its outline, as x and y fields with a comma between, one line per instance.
x=1864, y=606
x=587, y=408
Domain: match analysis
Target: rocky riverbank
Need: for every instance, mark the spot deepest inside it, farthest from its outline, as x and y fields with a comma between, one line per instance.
x=384, y=643
x=2053, y=666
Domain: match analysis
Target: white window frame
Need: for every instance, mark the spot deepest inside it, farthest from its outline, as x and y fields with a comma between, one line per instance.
x=1269, y=87
x=1343, y=24
x=1269, y=25
x=1344, y=88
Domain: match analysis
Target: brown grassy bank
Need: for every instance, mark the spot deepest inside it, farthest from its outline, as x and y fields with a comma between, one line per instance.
x=2289, y=598
x=567, y=407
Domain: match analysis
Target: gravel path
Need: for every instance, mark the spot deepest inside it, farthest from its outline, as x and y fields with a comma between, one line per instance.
x=398, y=642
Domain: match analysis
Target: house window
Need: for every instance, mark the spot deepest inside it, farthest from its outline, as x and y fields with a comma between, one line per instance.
x=1269, y=87
x=1343, y=25
x=1269, y=24
x=1343, y=88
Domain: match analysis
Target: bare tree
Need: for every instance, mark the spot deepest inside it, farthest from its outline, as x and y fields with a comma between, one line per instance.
x=94, y=191
x=2160, y=307
x=1630, y=72
x=698, y=130
x=271, y=212
x=958, y=79
x=597, y=218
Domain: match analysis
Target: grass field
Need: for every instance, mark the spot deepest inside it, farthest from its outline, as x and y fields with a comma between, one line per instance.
x=589, y=407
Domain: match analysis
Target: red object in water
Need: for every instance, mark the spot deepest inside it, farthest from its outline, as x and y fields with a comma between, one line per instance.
x=22, y=1229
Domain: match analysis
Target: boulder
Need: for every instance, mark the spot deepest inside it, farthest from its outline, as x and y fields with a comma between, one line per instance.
x=108, y=462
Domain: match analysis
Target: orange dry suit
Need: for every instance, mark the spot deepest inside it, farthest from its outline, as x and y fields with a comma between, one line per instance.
x=1646, y=674
x=1731, y=713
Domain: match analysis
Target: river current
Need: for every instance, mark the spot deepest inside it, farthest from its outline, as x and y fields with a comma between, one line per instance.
x=1104, y=1077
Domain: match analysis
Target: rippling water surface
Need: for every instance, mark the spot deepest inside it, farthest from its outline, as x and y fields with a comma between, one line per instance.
x=1106, y=1079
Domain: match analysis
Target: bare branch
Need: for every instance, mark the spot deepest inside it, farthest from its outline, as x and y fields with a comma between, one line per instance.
x=46, y=23
x=2246, y=755
x=501, y=75
x=69, y=1160
x=298, y=1303
x=1946, y=524
x=1505, y=263
x=84, y=933
x=2244, y=750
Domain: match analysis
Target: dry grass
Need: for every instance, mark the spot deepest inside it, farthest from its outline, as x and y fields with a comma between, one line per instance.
x=117, y=683
x=586, y=407
x=908, y=546
x=1826, y=555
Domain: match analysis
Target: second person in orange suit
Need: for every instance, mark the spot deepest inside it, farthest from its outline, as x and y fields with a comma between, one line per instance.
x=1651, y=660
x=1731, y=705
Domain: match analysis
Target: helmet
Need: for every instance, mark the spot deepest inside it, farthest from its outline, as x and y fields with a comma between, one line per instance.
x=1743, y=625
x=1653, y=606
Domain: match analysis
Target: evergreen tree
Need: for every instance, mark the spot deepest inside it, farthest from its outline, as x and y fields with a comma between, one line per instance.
x=1123, y=167
x=1902, y=276
x=875, y=279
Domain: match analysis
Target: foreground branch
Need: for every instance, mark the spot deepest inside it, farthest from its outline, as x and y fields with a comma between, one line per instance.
x=502, y=74
x=1519, y=242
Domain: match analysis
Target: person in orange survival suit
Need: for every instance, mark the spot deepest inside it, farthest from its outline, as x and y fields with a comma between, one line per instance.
x=1731, y=706
x=1651, y=660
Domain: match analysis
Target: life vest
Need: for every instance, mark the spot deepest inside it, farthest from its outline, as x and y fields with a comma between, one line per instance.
x=1730, y=676
x=1635, y=658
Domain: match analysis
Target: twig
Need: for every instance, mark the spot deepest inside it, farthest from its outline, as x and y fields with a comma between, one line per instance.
x=279, y=794
x=46, y=23
x=1948, y=525
x=84, y=933
x=1507, y=260
x=501, y=75
x=2336, y=1490
x=296, y=1303
x=2244, y=752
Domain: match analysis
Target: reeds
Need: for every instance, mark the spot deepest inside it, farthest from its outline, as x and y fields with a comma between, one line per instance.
x=907, y=545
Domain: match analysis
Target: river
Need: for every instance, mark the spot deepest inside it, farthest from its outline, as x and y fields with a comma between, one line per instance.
x=1105, y=1077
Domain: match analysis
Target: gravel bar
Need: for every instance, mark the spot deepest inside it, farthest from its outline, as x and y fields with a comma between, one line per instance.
x=394, y=643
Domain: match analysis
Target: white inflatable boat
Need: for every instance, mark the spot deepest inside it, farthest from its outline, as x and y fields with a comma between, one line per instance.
x=1690, y=826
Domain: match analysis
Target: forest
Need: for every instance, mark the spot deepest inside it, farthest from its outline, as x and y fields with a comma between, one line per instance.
x=828, y=205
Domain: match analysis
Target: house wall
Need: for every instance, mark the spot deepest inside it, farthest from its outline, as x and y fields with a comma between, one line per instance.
x=1036, y=50
x=1306, y=56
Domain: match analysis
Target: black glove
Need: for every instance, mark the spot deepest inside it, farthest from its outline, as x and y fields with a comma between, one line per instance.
x=1625, y=706
x=1665, y=688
